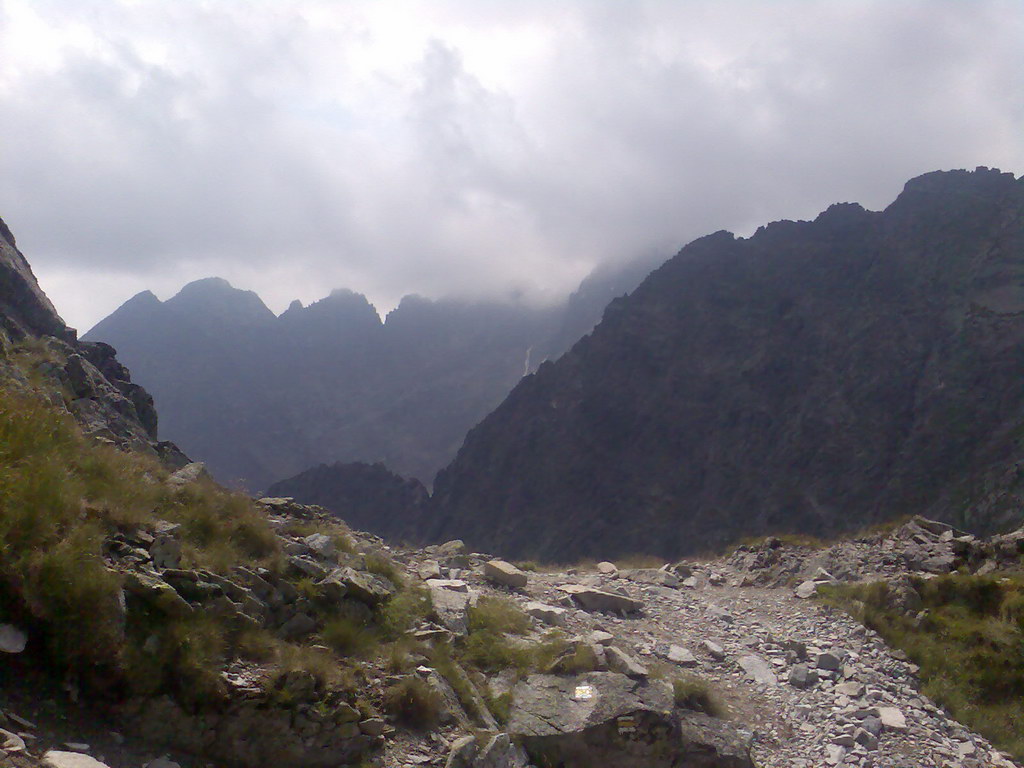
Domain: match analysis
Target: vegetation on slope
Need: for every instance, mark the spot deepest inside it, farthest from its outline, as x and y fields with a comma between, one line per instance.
x=968, y=641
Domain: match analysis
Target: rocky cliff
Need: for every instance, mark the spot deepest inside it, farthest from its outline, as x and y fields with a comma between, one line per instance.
x=37, y=350
x=815, y=377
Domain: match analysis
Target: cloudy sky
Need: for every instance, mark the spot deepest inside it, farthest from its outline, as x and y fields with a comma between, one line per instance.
x=497, y=148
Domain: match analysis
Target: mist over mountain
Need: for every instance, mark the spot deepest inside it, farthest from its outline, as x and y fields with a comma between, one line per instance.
x=260, y=397
x=816, y=377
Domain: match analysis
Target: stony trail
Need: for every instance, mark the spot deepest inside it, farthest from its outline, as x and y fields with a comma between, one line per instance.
x=807, y=684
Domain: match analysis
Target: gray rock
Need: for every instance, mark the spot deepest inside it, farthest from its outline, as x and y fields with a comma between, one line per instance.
x=451, y=548
x=607, y=719
x=500, y=752
x=758, y=669
x=829, y=661
x=11, y=742
x=652, y=576
x=322, y=544
x=429, y=569
x=600, y=637
x=866, y=739
x=802, y=677
x=450, y=600
x=297, y=626
x=622, y=662
x=607, y=568
x=592, y=599
x=157, y=593
x=549, y=614
x=57, y=759
x=369, y=588
x=892, y=718
x=12, y=639
x=502, y=572
x=681, y=656
x=165, y=552
x=715, y=651
x=806, y=590
x=190, y=473
x=462, y=753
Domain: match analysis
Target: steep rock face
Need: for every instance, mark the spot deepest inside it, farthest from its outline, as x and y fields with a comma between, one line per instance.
x=366, y=496
x=24, y=308
x=38, y=351
x=816, y=377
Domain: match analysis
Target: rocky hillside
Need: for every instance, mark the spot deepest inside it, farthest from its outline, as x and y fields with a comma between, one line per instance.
x=816, y=377
x=260, y=398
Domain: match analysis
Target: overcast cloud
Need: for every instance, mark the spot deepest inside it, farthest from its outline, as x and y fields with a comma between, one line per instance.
x=470, y=147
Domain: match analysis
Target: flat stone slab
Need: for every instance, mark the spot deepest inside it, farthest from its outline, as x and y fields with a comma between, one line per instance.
x=57, y=759
x=502, y=572
x=757, y=668
x=592, y=599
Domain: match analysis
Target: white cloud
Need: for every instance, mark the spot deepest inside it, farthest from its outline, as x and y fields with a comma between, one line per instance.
x=487, y=148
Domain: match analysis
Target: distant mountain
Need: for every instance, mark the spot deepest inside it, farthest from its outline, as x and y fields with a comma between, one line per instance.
x=260, y=398
x=816, y=377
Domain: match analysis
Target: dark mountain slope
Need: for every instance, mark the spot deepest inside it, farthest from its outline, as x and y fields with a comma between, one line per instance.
x=816, y=377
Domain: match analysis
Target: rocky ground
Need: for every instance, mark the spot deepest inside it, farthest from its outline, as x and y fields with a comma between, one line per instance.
x=798, y=683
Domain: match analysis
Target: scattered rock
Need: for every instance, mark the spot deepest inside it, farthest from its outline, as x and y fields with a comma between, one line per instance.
x=607, y=568
x=800, y=676
x=806, y=589
x=620, y=661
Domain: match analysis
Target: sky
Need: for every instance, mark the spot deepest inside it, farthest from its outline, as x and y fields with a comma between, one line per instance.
x=494, y=149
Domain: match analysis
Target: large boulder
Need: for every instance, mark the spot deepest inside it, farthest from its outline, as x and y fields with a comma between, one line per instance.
x=450, y=600
x=605, y=718
x=592, y=599
x=506, y=574
x=369, y=588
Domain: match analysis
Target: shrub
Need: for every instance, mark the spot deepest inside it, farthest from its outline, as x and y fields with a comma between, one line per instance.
x=413, y=702
x=691, y=692
x=498, y=615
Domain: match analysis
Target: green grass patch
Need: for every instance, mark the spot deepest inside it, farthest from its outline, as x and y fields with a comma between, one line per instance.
x=969, y=645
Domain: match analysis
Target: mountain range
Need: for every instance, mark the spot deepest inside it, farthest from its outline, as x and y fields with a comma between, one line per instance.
x=260, y=397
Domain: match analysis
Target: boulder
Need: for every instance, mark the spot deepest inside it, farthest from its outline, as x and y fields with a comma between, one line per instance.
x=504, y=573
x=321, y=544
x=549, y=614
x=758, y=669
x=165, y=551
x=682, y=656
x=369, y=588
x=450, y=600
x=462, y=753
x=608, y=719
x=57, y=759
x=190, y=473
x=800, y=676
x=429, y=569
x=715, y=651
x=806, y=590
x=652, y=576
x=12, y=639
x=591, y=599
x=892, y=719
x=622, y=662
x=11, y=742
x=500, y=752
x=607, y=568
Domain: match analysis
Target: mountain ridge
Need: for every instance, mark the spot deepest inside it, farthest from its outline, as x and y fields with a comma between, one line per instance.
x=772, y=383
